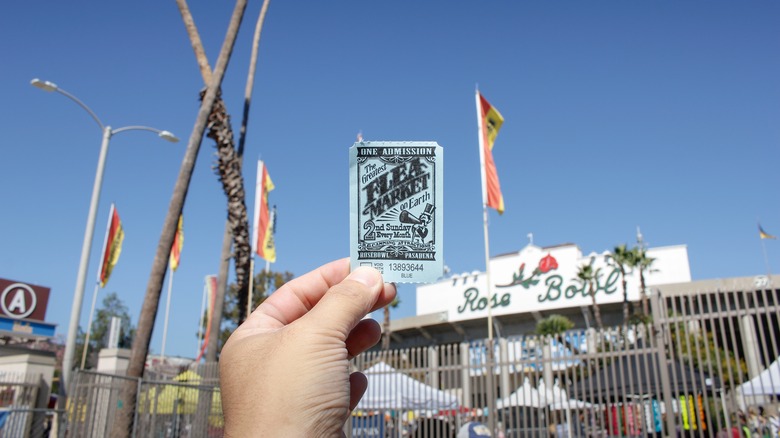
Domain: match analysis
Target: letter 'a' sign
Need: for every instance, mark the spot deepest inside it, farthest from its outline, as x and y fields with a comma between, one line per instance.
x=22, y=300
x=396, y=209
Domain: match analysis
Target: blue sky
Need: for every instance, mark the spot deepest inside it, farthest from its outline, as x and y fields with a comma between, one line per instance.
x=658, y=114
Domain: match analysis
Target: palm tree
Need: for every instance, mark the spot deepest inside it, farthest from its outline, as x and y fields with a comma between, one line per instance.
x=229, y=161
x=588, y=276
x=124, y=416
x=622, y=258
x=386, y=324
x=644, y=264
x=553, y=325
x=556, y=326
x=236, y=233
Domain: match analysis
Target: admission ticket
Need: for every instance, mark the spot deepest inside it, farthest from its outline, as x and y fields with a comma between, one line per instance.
x=396, y=204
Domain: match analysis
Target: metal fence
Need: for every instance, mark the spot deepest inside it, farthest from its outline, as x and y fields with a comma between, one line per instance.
x=30, y=422
x=20, y=395
x=705, y=360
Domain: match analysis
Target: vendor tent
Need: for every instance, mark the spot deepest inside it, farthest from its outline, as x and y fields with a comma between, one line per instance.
x=543, y=396
x=390, y=389
x=526, y=395
x=556, y=398
x=639, y=374
x=766, y=383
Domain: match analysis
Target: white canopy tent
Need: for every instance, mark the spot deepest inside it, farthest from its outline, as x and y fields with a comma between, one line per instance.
x=552, y=397
x=389, y=389
x=556, y=398
x=766, y=383
x=526, y=395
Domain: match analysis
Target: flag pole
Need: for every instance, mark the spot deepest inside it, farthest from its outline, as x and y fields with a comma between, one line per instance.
x=251, y=283
x=253, y=243
x=167, y=312
x=89, y=324
x=200, y=317
x=490, y=351
x=97, y=287
x=272, y=220
x=766, y=261
x=484, y=214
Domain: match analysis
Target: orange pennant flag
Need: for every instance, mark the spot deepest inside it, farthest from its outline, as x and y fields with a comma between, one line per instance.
x=112, y=246
x=490, y=121
x=178, y=243
x=263, y=240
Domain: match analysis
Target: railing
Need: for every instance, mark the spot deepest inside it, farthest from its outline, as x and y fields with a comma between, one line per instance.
x=29, y=422
x=695, y=370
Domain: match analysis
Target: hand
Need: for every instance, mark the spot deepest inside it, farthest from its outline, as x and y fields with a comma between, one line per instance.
x=284, y=371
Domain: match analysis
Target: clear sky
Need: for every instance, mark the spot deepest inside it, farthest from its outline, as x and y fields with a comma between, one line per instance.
x=659, y=114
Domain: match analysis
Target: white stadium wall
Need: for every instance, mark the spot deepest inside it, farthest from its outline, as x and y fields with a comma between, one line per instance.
x=543, y=279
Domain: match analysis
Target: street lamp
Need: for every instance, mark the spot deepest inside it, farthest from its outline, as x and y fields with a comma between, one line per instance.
x=78, y=295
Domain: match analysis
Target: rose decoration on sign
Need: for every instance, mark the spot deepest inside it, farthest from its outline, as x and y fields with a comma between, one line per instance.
x=546, y=264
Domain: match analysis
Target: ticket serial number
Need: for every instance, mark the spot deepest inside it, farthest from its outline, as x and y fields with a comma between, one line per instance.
x=406, y=267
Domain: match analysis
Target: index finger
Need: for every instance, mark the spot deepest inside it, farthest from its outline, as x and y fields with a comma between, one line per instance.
x=295, y=298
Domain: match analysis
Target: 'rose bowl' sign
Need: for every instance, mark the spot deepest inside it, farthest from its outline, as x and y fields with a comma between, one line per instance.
x=23, y=300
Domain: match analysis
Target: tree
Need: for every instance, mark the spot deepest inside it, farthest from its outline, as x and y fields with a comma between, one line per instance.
x=703, y=351
x=124, y=416
x=623, y=258
x=229, y=167
x=386, y=324
x=645, y=265
x=111, y=307
x=588, y=277
x=554, y=325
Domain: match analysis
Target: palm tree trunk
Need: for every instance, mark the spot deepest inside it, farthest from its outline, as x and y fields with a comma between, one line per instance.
x=386, y=330
x=197, y=45
x=124, y=417
x=643, y=291
x=229, y=171
x=596, y=310
x=230, y=162
x=626, y=313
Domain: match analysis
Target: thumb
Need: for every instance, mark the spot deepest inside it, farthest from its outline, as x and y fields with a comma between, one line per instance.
x=346, y=303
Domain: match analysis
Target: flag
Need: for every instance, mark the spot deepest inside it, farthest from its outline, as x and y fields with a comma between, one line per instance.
x=211, y=293
x=763, y=234
x=178, y=243
x=262, y=240
x=490, y=121
x=112, y=246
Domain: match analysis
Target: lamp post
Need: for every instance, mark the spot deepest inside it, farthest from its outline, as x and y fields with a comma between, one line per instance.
x=78, y=294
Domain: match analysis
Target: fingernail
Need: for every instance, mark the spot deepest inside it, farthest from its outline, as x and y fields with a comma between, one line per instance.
x=368, y=276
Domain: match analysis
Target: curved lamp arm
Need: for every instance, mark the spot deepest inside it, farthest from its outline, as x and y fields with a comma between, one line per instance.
x=165, y=135
x=51, y=86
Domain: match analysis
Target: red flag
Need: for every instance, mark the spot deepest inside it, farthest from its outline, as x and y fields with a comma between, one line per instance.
x=178, y=243
x=263, y=240
x=112, y=246
x=490, y=121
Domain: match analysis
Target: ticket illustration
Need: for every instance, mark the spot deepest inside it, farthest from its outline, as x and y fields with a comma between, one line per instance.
x=396, y=209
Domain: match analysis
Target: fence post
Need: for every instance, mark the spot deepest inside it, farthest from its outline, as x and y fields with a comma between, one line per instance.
x=749, y=339
x=465, y=373
x=135, y=408
x=658, y=329
x=433, y=367
x=503, y=345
